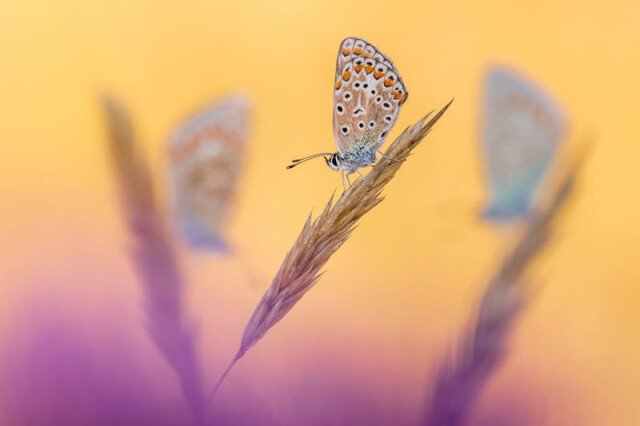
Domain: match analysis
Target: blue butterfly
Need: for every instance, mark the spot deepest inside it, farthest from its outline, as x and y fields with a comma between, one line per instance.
x=521, y=131
x=207, y=153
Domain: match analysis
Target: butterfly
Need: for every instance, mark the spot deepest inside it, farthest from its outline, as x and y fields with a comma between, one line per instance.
x=207, y=153
x=367, y=97
x=521, y=131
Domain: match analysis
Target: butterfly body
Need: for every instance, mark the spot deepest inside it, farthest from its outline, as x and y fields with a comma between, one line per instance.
x=368, y=94
x=359, y=155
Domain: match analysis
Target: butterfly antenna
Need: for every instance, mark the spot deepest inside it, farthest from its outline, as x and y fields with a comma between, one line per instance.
x=299, y=161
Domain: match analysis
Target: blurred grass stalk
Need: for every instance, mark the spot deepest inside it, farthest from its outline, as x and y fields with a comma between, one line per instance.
x=154, y=257
x=322, y=237
x=461, y=379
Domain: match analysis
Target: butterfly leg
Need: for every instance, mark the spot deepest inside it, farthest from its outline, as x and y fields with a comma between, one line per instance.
x=348, y=181
x=344, y=186
x=389, y=158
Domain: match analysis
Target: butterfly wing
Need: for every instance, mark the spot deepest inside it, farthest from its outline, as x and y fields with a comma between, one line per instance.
x=367, y=97
x=207, y=154
x=522, y=129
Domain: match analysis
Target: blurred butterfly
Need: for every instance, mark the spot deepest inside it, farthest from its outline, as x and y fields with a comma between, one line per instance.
x=207, y=155
x=368, y=94
x=521, y=131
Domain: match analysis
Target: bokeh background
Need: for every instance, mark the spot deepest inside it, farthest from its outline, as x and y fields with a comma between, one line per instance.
x=396, y=296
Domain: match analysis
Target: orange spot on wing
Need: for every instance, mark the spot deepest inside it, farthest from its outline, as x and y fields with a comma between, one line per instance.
x=366, y=54
x=217, y=133
x=357, y=51
x=378, y=74
x=368, y=69
x=346, y=75
x=346, y=51
x=396, y=95
x=338, y=84
x=388, y=83
x=358, y=67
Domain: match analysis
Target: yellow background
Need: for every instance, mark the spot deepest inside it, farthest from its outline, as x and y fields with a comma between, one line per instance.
x=398, y=293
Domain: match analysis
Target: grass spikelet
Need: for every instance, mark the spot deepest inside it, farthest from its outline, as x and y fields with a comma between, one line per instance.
x=482, y=348
x=154, y=257
x=322, y=237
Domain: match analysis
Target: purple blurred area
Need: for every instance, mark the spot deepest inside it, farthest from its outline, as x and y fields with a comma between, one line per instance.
x=56, y=371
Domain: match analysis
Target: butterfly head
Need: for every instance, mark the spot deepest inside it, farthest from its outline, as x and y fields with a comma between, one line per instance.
x=334, y=161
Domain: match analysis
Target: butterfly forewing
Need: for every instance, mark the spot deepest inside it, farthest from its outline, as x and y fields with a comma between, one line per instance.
x=368, y=94
x=521, y=132
x=207, y=155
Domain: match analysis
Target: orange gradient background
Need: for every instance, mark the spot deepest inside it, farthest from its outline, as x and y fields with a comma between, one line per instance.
x=397, y=295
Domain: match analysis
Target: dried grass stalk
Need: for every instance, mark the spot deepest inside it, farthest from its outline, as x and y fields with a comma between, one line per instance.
x=483, y=347
x=320, y=238
x=154, y=257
